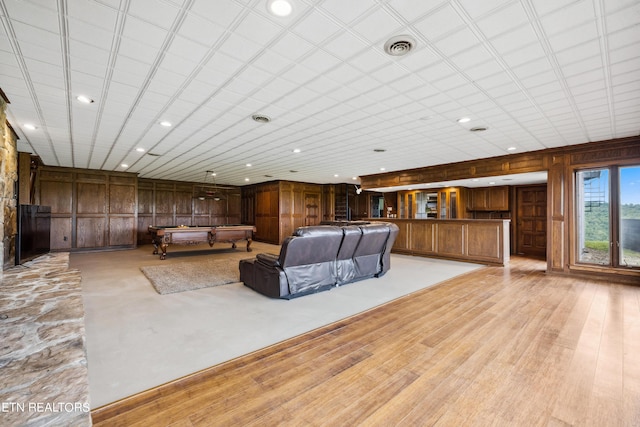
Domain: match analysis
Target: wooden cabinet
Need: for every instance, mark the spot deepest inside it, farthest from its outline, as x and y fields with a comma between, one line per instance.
x=452, y=203
x=489, y=199
x=483, y=241
x=447, y=203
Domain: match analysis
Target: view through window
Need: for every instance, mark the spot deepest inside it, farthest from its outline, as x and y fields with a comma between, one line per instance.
x=597, y=210
x=630, y=216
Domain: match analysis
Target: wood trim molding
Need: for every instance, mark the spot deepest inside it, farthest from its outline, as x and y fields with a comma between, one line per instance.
x=534, y=161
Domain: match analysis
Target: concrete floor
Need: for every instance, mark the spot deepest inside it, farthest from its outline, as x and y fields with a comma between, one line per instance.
x=138, y=339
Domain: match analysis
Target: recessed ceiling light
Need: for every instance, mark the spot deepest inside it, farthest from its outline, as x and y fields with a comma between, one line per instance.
x=492, y=182
x=280, y=8
x=140, y=150
x=165, y=123
x=247, y=179
x=382, y=169
x=260, y=118
x=296, y=150
x=248, y=165
x=354, y=177
x=475, y=180
x=464, y=120
x=124, y=165
x=29, y=126
x=213, y=174
x=335, y=175
x=84, y=99
x=511, y=149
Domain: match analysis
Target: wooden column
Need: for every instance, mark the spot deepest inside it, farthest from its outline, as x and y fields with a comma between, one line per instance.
x=558, y=238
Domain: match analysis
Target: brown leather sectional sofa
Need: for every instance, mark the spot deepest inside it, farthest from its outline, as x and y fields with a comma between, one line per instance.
x=317, y=258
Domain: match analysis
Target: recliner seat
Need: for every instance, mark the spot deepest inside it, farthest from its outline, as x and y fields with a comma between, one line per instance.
x=316, y=258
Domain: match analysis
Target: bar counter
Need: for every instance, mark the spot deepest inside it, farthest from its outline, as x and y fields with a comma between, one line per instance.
x=485, y=241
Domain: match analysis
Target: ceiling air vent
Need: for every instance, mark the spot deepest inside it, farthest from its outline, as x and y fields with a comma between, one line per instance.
x=260, y=118
x=478, y=129
x=399, y=45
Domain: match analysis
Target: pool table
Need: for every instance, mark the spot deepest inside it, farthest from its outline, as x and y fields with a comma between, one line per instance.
x=162, y=236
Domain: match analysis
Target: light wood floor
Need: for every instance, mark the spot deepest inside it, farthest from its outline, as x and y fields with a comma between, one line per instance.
x=499, y=346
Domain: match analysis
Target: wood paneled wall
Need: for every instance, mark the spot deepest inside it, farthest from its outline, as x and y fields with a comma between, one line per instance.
x=93, y=209
x=282, y=206
x=163, y=202
x=560, y=163
x=89, y=209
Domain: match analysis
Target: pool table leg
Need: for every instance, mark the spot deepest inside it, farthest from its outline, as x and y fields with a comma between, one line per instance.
x=249, y=244
x=163, y=247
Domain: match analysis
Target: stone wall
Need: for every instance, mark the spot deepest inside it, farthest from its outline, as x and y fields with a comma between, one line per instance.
x=8, y=178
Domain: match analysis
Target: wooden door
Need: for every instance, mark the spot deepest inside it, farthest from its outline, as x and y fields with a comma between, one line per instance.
x=312, y=208
x=531, y=229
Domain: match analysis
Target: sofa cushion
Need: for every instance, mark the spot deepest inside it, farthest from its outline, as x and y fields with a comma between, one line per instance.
x=368, y=255
x=345, y=267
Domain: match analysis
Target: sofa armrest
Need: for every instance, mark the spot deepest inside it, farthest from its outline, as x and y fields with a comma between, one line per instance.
x=271, y=260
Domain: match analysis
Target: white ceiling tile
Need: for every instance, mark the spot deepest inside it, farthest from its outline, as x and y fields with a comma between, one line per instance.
x=476, y=9
x=219, y=69
x=200, y=30
x=579, y=67
x=92, y=35
x=292, y=47
x=545, y=7
x=573, y=15
x=514, y=39
x=413, y=9
x=320, y=61
x=471, y=57
x=459, y=41
x=623, y=54
x=575, y=36
x=541, y=81
x=442, y=21
x=436, y=72
x=223, y=14
x=370, y=60
x=447, y=83
x=82, y=9
x=187, y=49
x=524, y=55
x=377, y=25
x=144, y=32
x=503, y=20
x=341, y=94
x=483, y=70
x=257, y=28
x=624, y=18
x=43, y=16
x=579, y=53
x=345, y=45
x=347, y=11
x=157, y=12
x=316, y=27
x=240, y=48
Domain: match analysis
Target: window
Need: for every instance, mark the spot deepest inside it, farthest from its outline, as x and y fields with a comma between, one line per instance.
x=629, y=208
x=608, y=216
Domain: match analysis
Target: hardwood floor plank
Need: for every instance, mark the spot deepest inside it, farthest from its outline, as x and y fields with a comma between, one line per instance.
x=499, y=346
